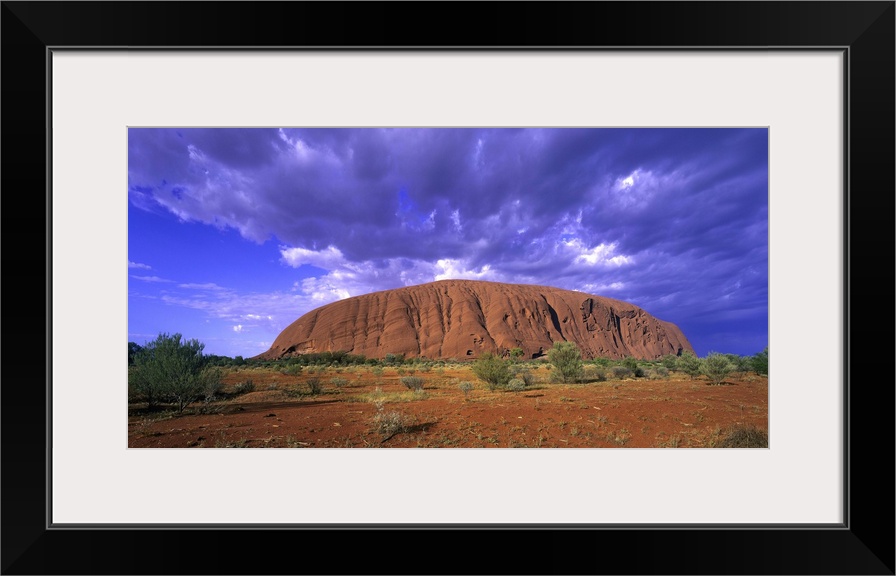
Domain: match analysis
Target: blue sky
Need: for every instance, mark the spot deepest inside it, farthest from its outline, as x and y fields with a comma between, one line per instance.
x=235, y=233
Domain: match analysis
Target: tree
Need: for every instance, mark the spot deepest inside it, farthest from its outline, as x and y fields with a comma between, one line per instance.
x=759, y=362
x=133, y=349
x=173, y=369
x=492, y=370
x=689, y=364
x=716, y=367
x=567, y=360
x=516, y=354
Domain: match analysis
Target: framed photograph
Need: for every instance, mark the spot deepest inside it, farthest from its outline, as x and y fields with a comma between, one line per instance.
x=84, y=82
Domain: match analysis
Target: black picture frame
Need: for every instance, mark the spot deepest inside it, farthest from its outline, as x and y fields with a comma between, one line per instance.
x=864, y=544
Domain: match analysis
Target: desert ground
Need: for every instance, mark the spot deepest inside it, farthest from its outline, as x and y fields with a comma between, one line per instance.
x=370, y=407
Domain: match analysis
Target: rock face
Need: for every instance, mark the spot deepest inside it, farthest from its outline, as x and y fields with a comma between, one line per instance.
x=464, y=318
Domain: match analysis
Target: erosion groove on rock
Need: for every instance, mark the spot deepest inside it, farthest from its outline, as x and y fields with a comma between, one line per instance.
x=464, y=318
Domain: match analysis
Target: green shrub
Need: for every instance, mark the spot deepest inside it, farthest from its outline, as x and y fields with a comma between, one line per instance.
x=338, y=382
x=669, y=361
x=759, y=362
x=567, y=360
x=492, y=370
x=716, y=367
x=658, y=373
x=213, y=384
x=171, y=368
x=412, y=382
x=314, y=386
x=466, y=387
x=689, y=364
x=515, y=385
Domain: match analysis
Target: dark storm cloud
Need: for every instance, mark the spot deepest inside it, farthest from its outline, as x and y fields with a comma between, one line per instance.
x=672, y=219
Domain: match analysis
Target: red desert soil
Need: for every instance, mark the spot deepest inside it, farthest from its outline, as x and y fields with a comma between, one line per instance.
x=280, y=412
x=461, y=319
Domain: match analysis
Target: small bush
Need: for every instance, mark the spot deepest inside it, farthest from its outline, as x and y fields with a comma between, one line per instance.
x=658, y=373
x=744, y=436
x=213, y=384
x=338, y=382
x=689, y=364
x=567, y=360
x=292, y=370
x=621, y=371
x=594, y=374
x=412, y=382
x=515, y=385
x=523, y=374
x=466, y=387
x=492, y=370
x=244, y=387
x=716, y=367
x=390, y=423
x=669, y=361
x=314, y=386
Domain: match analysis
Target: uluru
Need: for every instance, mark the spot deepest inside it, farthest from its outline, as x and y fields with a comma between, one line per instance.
x=462, y=319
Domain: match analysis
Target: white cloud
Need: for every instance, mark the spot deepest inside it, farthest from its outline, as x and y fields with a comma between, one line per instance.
x=328, y=258
x=238, y=328
x=601, y=255
x=628, y=181
x=455, y=218
x=150, y=279
x=206, y=286
x=138, y=265
x=447, y=268
x=600, y=288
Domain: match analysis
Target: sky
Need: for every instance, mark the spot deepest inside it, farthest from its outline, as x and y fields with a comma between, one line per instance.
x=234, y=233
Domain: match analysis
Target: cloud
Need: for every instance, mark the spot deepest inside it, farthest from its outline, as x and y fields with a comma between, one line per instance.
x=206, y=286
x=138, y=265
x=150, y=279
x=238, y=328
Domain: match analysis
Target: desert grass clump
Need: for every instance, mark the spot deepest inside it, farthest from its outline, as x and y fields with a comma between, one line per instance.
x=390, y=423
x=516, y=385
x=658, y=373
x=292, y=370
x=412, y=382
x=743, y=436
x=314, y=386
x=466, y=388
x=338, y=382
x=525, y=375
x=244, y=387
x=594, y=374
